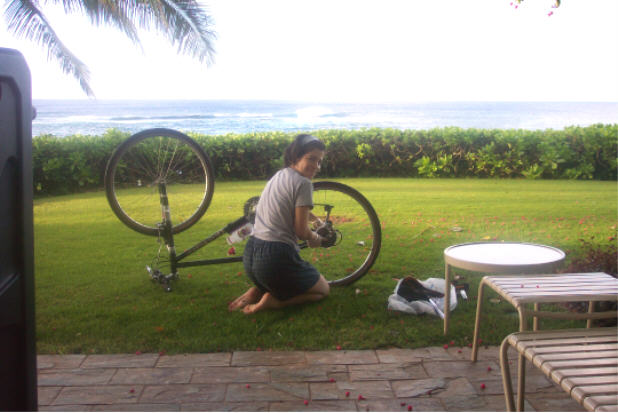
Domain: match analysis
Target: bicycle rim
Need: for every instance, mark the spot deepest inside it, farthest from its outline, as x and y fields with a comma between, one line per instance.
x=147, y=159
x=361, y=235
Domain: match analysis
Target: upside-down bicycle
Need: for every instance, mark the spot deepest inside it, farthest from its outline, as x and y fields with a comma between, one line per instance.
x=157, y=171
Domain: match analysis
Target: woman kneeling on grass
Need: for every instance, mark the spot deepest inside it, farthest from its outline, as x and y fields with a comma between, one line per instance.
x=271, y=259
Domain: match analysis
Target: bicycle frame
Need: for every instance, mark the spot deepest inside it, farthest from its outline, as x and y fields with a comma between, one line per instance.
x=165, y=231
x=355, y=215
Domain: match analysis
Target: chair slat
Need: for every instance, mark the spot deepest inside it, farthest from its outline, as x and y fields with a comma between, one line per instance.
x=569, y=383
x=562, y=296
x=592, y=403
x=594, y=363
x=574, y=332
x=550, y=282
x=566, y=349
x=580, y=275
x=531, y=282
x=578, y=340
x=590, y=361
x=608, y=408
x=557, y=356
x=561, y=374
x=580, y=393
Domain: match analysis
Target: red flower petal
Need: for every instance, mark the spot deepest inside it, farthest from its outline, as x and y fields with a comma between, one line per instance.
x=306, y=402
x=409, y=407
x=347, y=394
x=482, y=386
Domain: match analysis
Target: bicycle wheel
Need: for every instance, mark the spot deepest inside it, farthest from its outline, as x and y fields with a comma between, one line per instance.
x=147, y=159
x=360, y=233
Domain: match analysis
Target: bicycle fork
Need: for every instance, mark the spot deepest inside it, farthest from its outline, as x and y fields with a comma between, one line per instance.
x=165, y=230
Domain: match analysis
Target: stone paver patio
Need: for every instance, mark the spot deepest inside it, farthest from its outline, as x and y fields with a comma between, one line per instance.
x=425, y=379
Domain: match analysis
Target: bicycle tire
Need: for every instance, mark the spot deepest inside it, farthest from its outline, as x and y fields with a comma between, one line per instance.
x=354, y=216
x=147, y=158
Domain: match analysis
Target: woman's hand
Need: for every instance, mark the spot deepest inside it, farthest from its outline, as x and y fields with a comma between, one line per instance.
x=315, y=240
x=317, y=224
x=301, y=227
x=315, y=221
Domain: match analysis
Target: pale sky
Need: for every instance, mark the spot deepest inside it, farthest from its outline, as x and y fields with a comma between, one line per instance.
x=365, y=51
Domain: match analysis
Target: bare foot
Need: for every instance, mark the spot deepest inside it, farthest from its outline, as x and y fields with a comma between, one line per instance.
x=251, y=296
x=267, y=301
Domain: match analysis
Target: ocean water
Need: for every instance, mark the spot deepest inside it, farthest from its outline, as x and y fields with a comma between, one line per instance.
x=94, y=117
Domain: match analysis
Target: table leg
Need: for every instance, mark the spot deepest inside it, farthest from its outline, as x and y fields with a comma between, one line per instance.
x=447, y=297
x=590, y=311
x=521, y=364
x=477, y=321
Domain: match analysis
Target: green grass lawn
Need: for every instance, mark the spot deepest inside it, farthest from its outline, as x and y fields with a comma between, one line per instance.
x=94, y=296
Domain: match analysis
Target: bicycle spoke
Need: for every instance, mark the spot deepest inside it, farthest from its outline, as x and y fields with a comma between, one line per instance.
x=152, y=157
x=169, y=164
x=360, y=238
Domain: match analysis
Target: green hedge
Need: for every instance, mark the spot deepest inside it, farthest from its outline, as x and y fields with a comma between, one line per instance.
x=77, y=163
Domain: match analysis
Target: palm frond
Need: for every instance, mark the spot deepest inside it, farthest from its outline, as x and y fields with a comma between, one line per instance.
x=25, y=20
x=105, y=12
x=184, y=22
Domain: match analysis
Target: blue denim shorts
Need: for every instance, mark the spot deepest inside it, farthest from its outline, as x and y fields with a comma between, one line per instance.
x=277, y=268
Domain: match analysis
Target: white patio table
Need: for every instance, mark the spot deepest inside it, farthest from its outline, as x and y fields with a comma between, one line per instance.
x=497, y=258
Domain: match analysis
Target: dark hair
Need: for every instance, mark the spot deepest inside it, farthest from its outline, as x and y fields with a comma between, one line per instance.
x=302, y=144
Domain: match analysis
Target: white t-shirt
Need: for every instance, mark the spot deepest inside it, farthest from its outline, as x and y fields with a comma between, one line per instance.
x=274, y=215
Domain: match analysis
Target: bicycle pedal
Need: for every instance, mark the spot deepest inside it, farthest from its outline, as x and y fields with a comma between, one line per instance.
x=155, y=274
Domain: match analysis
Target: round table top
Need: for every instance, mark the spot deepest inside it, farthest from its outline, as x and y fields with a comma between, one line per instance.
x=503, y=256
